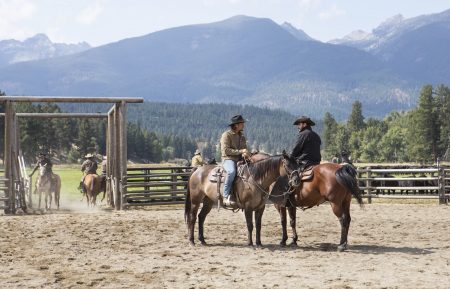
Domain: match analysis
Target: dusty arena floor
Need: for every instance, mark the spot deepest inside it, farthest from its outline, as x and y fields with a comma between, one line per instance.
x=390, y=246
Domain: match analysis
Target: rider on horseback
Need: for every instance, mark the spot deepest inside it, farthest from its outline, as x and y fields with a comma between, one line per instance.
x=89, y=166
x=234, y=147
x=307, y=147
x=43, y=161
x=306, y=151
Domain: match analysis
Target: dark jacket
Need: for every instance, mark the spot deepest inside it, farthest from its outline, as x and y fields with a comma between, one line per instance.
x=307, y=147
x=43, y=162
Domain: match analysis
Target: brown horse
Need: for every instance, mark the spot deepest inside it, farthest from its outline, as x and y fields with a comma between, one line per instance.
x=331, y=183
x=251, y=190
x=93, y=186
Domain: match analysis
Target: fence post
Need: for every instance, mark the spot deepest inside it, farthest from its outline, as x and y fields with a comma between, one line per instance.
x=441, y=184
x=369, y=185
x=174, y=185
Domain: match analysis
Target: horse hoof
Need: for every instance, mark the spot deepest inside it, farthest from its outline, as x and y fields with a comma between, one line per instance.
x=259, y=245
x=250, y=244
x=283, y=243
x=293, y=244
x=202, y=242
x=342, y=247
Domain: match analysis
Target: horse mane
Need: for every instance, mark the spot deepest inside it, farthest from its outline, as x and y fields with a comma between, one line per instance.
x=260, y=169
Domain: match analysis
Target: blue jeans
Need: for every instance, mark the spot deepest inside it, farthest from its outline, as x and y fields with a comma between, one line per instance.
x=230, y=167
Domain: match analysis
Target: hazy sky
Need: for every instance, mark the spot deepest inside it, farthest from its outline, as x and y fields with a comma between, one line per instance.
x=102, y=21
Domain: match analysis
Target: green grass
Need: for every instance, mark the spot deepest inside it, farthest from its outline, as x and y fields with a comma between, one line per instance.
x=70, y=180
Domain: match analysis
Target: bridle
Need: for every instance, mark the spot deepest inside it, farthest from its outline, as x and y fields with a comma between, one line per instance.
x=267, y=193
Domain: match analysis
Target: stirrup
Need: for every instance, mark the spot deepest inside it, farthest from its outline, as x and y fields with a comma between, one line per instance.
x=228, y=202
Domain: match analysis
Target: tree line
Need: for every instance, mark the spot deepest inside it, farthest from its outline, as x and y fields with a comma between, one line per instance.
x=268, y=130
x=419, y=135
x=69, y=140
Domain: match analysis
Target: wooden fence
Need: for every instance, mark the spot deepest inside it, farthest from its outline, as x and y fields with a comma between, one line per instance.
x=155, y=185
x=408, y=183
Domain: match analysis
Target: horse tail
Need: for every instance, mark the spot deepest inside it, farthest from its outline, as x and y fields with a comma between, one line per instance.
x=346, y=176
x=187, y=202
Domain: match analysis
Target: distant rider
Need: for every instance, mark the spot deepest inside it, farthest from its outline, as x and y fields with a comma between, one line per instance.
x=89, y=166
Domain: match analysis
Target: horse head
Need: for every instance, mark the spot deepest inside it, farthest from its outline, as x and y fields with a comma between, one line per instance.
x=292, y=170
x=43, y=170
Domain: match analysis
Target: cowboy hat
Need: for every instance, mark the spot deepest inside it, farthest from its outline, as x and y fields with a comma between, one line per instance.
x=304, y=119
x=89, y=156
x=197, y=152
x=237, y=119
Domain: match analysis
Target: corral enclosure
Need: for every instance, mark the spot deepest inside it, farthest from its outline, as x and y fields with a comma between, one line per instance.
x=390, y=246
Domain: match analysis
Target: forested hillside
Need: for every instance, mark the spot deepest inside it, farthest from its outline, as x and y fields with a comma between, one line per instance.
x=266, y=130
x=156, y=131
x=420, y=135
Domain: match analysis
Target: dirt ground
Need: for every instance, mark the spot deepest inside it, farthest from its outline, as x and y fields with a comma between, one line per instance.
x=390, y=246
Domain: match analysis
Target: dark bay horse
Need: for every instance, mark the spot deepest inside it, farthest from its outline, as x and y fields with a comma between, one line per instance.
x=251, y=192
x=333, y=183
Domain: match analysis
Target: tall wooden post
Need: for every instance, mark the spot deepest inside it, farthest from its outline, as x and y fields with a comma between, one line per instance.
x=9, y=170
x=110, y=157
x=123, y=151
x=117, y=183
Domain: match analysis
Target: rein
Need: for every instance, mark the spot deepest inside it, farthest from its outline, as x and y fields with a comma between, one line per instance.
x=263, y=191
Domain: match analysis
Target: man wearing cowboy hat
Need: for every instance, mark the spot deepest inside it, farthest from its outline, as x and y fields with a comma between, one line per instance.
x=89, y=166
x=233, y=147
x=307, y=147
x=197, y=160
x=43, y=160
x=306, y=152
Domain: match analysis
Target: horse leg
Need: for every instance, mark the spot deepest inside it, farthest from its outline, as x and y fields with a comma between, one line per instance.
x=191, y=221
x=40, y=196
x=57, y=196
x=249, y=219
x=282, y=212
x=207, y=206
x=50, y=200
x=46, y=200
x=342, y=211
x=258, y=221
x=293, y=216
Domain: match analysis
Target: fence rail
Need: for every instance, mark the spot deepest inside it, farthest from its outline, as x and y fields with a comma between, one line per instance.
x=419, y=183
x=155, y=185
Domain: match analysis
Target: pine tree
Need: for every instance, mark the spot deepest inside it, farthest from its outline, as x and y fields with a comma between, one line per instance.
x=356, y=119
x=427, y=131
x=329, y=133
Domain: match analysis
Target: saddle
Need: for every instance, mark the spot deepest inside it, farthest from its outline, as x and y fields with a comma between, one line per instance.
x=217, y=174
x=308, y=173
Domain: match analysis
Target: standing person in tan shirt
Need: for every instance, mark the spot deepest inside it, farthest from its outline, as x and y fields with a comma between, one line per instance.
x=233, y=147
x=197, y=160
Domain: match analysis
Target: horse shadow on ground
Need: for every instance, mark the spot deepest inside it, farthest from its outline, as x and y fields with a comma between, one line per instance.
x=328, y=247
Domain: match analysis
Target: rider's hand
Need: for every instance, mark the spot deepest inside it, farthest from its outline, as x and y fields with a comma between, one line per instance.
x=246, y=155
x=243, y=151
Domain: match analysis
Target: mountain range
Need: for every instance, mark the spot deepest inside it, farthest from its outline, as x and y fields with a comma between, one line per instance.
x=247, y=60
x=36, y=48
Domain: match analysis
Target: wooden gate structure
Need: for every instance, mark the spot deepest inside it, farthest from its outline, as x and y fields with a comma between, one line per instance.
x=12, y=184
